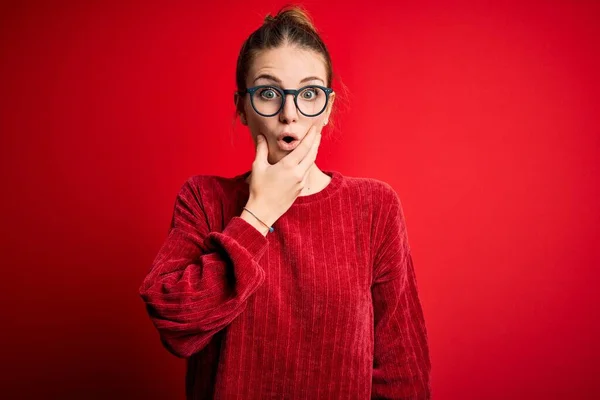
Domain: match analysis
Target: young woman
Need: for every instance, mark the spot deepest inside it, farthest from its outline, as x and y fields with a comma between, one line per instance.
x=289, y=282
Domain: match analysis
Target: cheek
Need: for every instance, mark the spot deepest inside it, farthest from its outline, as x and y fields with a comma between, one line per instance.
x=258, y=124
x=320, y=120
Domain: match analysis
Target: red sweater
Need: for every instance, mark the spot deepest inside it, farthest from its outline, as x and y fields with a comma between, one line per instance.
x=324, y=307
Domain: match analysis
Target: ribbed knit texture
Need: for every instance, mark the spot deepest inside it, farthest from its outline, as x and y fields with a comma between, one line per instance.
x=325, y=307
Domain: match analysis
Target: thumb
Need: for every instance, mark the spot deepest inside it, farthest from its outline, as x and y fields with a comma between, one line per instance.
x=262, y=149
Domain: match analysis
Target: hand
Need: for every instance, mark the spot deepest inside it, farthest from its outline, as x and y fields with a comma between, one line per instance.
x=273, y=188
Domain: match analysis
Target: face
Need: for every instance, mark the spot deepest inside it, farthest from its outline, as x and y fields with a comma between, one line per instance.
x=286, y=67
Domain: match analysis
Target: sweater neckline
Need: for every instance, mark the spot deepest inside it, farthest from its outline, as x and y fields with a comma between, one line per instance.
x=331, y=188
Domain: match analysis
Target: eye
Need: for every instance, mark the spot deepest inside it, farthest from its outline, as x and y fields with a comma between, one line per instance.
x=268, y=93
x=309, y=93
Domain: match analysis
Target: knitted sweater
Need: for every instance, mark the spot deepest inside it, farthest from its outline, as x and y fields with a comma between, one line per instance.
x=324, y=307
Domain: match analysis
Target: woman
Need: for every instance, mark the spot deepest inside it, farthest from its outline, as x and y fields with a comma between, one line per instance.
x=288, y=282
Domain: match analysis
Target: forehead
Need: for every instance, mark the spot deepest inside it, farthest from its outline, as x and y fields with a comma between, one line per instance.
x=288, y=63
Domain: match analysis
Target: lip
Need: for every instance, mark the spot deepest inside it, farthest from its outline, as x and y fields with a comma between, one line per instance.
x=284, y=134
x=283, y=145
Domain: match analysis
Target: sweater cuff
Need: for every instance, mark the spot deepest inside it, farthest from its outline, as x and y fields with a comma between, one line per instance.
x=247, y=236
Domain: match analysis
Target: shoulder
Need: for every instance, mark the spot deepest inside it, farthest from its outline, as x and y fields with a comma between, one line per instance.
x=202, y=180
x=377, y=193
x=206, y=186
x=381, y=202
x=206, y=196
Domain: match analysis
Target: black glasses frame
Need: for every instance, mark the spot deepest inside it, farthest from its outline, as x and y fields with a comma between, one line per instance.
x=284, y=93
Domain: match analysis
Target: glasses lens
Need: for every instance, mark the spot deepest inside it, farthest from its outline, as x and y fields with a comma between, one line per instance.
x=267, y=100
x=312, y=100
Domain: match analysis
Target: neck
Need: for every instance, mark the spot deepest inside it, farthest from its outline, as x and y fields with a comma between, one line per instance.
x=313, y=180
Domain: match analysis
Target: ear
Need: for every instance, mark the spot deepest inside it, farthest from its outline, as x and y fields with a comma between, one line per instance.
x=237, y=100
x=331, y=100
x=329, y=107
x=239, y=107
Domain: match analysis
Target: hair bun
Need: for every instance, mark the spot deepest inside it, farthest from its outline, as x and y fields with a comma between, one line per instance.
x=292, y=15
x=268, y=19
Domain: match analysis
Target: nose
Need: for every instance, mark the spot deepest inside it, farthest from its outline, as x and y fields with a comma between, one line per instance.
x=289, y=113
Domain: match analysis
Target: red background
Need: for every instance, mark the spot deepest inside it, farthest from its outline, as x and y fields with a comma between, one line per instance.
x=484, y=118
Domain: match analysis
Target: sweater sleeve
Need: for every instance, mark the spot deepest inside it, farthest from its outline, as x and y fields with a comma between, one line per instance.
x=401, y=365
x=200, y=280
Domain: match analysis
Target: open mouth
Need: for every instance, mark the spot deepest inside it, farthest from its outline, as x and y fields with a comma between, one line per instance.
x=288, y=143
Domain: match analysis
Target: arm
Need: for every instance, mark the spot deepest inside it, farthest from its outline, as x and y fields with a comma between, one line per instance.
x=401, y=365
x=200, y=280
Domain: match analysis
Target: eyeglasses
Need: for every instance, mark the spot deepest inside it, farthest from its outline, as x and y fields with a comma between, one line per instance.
x=268, y=101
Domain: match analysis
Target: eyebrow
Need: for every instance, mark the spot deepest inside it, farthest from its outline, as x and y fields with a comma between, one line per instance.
x=275, y=79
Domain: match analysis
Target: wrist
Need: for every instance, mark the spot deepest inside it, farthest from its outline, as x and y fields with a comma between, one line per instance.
x=256, y=215
x=246, y=216
x=261, y=213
